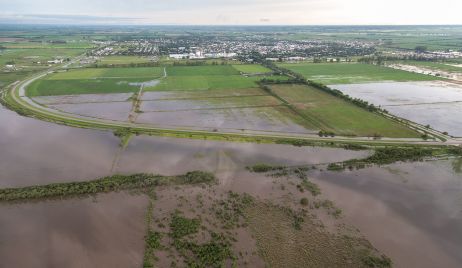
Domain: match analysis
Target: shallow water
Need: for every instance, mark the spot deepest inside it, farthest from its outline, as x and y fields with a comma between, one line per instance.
x=438, y=104
x=443, y=117
x=175, y=156
x=258, y=119
x=410, y=211
x=188, y=94
x=150, y=83
x=82, y=98
x=398, y=93
x=117, y=111
x=37, y=152
x=217, y=103
x=106, y=231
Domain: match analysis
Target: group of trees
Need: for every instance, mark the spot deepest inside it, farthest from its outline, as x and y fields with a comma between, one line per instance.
x=106, y=184
x=298, y=78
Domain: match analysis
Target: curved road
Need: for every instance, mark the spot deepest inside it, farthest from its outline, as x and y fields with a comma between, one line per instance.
x=17, y=93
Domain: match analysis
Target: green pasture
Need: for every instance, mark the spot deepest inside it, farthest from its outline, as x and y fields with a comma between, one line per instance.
x=251, y=68
x=330, y=113
x=350, y=73
x=93, y=73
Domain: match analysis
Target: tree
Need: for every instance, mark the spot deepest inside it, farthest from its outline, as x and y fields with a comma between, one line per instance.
x=420, y=49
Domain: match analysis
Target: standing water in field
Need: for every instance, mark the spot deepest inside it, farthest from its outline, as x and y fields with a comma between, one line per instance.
x=438, y=104
x=402, y=205
x=36, y=152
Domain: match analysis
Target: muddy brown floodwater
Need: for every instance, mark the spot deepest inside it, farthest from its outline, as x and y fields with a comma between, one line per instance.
x=411, y=211
x=175, y=156
x=437, y=103
x=106, y=231
x=36, y=152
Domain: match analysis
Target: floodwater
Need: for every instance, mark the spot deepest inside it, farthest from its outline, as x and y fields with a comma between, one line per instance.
x=107, y=231
x=188, y=104
x=117, y=111
x=82, y=98
x=189, y=94
x=257, y=119
x=151, y=83
x=171, y=156
x=37, y=152
x=410, y=211
x=438, y=104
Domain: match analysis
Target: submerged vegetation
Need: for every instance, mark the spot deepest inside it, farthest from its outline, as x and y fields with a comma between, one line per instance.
x=392, y=154
x=103, y=185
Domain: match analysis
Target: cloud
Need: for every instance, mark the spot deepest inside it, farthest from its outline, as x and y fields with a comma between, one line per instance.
x=66, y=19
x=232, y=11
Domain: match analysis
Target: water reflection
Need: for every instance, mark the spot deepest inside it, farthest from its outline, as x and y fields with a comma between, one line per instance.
x=37, y=152
x=403, y=205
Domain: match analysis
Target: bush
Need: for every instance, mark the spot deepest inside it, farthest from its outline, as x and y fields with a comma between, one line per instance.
x=378, y=262
x=195, y=177
x=181, y=226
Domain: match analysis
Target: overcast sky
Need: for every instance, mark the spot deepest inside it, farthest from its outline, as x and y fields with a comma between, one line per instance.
x=230, y=12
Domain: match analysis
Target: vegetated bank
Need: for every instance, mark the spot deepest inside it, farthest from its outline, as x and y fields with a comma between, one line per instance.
x=298, y=78
x=389, y=155
x=103, y=185
x=23, y=109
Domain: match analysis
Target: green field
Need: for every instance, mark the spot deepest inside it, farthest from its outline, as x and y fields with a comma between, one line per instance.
x=115, y=80
x=30, y=57
x=437, y=66
x=24, y=44
x=205, y=70
x=251, y=68
x=123, y=60
x=350, y=73
x=93, y=80
x=92, y=73
x=81, y=86
x=206, y=77
x=207, y=82
x=29, y=60
x=330, y=113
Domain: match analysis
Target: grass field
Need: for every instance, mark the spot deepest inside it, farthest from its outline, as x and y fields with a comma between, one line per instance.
x=93, y=80
x=350, y=73
x=81, y=86
x=92, y=73
x=447, y=67
x=251, y=68
x=205, y=77
x=24, y=44
x=26, y=61
x=201, y=70
x=206, y=82
x=330, y=113
x=29, y=57
x=10, y=77
x=123, y=60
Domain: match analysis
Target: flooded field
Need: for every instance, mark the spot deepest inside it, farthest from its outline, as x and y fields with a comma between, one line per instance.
x=262, y=119
x=403, y=205
x=36, y=152
x=82, y=98
x=117, y=111
x=172, y=156
x=438, y=104
x=395, y=207
x=189, y=94
x=106, y=231
x=212, y=103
